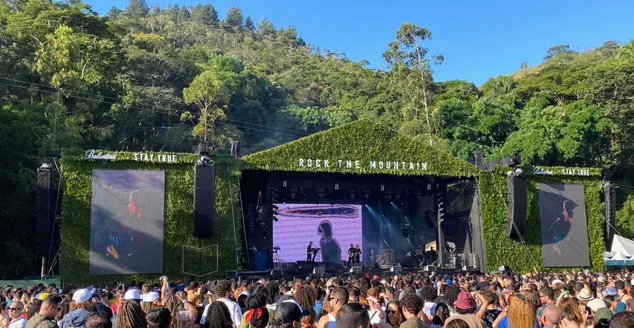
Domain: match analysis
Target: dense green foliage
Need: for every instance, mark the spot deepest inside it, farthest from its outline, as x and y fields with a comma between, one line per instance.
x=501, y=250
x=146, y=78
x=179, y=200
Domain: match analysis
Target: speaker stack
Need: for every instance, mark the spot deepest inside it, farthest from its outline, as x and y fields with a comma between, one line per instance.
x=516, y=224
x=204, y=183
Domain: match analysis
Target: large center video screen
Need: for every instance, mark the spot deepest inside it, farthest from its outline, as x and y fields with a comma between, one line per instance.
x=126, y=222
x=333, y=228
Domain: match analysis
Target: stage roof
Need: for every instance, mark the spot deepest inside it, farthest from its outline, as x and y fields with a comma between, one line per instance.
x=361, y=147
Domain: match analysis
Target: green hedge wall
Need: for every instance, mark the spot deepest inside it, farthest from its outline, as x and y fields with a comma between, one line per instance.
x=364, y=141
x=179, y=185
x=501, y=250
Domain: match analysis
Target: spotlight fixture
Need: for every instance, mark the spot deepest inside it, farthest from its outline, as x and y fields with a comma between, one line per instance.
x=336, y=186
x=382, y=187
x=284, y=183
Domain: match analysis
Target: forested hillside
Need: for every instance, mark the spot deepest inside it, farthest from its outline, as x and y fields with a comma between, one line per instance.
x=145, y=78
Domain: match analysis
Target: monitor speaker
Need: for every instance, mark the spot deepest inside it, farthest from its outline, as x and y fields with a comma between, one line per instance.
x=276, y=272
x=429, y=268
x=204, y=184
x=231, y=274
x=355, y=269
x=318, y=270
x=301, y=265
x=468, y=268
x=516, y=224
x=396, y=268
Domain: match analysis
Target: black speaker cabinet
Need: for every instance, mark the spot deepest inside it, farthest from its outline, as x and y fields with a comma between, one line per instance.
x=517, y=206
x=204, y=183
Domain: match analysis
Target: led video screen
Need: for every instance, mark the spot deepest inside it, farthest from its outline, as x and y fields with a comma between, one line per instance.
x=564, y=225
x=332, y=228
x=126, y=222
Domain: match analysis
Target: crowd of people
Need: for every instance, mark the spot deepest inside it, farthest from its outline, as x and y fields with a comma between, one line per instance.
x=420, y=300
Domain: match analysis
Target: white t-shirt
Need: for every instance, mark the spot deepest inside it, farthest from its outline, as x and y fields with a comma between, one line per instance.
x=234, y=311
x=375, y=316
x=18, y=323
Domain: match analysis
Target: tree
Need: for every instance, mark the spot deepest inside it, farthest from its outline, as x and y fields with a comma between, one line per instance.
x=265, y=28
x=137, y=8
x=557, y=50
x=248, y=24
x=234, y=19
x=208, y=93
x=408, y=59
x=205, y=14
x=114, y=13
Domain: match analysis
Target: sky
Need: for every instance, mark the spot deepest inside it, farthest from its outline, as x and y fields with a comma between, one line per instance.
x=478, y=39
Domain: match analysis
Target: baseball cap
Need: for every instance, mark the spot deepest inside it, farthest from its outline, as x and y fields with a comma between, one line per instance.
x=82, y=295
x=132, y=294
x=289, y=311
x=151, y=297
x=448, y=282
x=465, y=301
x=597, y=304
x=610, y=291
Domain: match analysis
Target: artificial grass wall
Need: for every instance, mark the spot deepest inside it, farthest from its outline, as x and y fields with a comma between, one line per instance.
x=179, y=189
x=501, y=250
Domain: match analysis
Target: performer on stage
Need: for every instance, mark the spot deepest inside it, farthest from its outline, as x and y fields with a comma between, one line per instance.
x=309, y=252
x=357, y=254
x=351, y=254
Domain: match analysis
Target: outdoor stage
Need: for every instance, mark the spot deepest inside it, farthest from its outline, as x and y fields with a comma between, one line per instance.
x=394, y=221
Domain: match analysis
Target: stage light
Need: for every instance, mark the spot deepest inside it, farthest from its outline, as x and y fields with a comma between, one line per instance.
x=284, y=183
x=382, y=187
x=336, y=186
x=275, y=218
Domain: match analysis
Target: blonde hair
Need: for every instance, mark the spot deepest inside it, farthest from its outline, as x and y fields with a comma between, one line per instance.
x=521, y=313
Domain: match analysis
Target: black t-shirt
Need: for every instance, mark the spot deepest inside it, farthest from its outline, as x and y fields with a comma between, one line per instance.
x=309, y=249
x=351, y=251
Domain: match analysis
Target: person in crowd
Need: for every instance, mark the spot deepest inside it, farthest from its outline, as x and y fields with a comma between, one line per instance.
x=289, y=314
x=15, y=315
x=223, y=292
x=429, y=295
x=4, y=314
x=64, y=310
x=411, y=305
x=441, y=315
x=257, y=316
x=305, y=296
x=218, y=316
x=158, y=317
x=457, y=323
x=570, y=316
x=352, y=315
x=98, y=320
x=622, y=320
x=32, y=308
x=183, y=313
x=45, y=318
x=549, y=316
x=335, y=300
x=465, y=307
x=131, y=316
x=80, y=308
x=394, y=314
x=489, y=309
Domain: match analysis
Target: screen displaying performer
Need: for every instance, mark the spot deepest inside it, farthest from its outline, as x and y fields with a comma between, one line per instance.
x=330, y=228
x=126, y=222
x=564, y=228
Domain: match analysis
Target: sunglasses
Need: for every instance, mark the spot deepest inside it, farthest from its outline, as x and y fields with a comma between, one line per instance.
x=390, y=311
x=14, y=309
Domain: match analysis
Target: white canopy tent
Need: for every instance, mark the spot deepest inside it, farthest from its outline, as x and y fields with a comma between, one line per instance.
x=621, y=253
